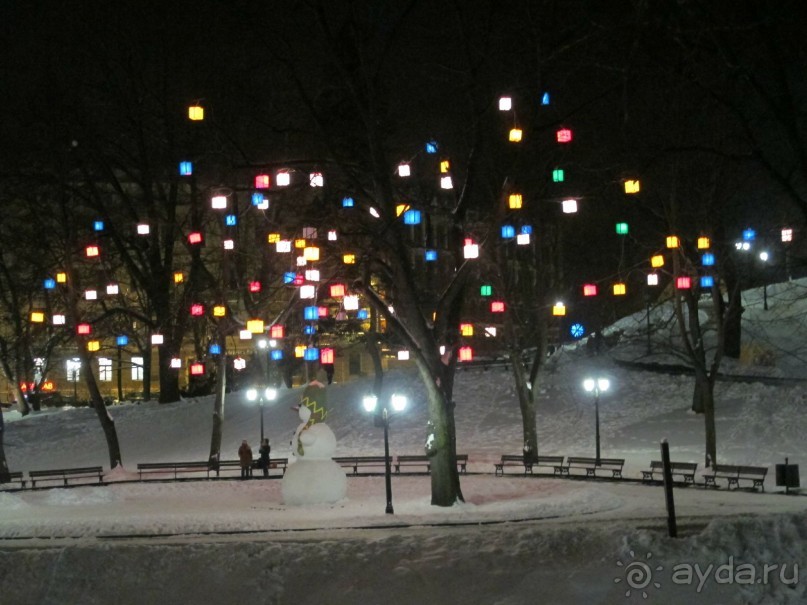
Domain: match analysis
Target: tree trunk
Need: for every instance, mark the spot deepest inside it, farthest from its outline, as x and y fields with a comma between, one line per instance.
x=218, y=406
x=97, y=401
x=22, y=400
x=709, y=422
x=3, y=463
x=169, y=378
x=527, y=405
x=375, y=356
x=441, y=443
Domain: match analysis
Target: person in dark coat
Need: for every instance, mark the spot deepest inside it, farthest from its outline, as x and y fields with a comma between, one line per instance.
x=264, y=453
x=245, y=456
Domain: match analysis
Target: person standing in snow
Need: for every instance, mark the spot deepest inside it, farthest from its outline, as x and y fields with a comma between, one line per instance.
x=264, y=453
x=245, y=456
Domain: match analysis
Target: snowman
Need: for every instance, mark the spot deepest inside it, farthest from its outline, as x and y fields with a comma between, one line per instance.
x=313, y=478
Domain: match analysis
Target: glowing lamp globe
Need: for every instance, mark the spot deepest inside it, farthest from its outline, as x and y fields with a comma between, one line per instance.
x=262, y=181
x=316, y=179
x=559, y=309
x=569, y=206
x=466, y=354
x=707, y=281
x=652, y=279
x=589, y=290
x=673, y=241
x=218, y=202
x=326, y=355
x=404, y=170
x=620, y=289
x=558, y=175
x=277, y=331
x=704, y=243
x=467, y=329
x=485, y=290
x=505, y=103
x=515, y=135
x=337, y=290
x=657, y=261
x=185, y=168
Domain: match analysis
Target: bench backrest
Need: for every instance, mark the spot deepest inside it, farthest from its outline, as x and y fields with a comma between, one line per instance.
x=550, y=459
x=462, y=457
x=581, y=460
x=66, y=471
x=414, y=458
x=359, y=459
x=756, y=471
x=684, y=466
x=726, y=469
x=512, y=458
x=620, y=462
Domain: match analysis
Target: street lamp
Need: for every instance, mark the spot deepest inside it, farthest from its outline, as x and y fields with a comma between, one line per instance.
x=763, y=256
x=398, y=404
x=597, y=386
x=261, y=395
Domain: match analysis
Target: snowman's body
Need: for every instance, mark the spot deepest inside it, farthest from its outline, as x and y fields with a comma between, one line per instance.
x=313, y=478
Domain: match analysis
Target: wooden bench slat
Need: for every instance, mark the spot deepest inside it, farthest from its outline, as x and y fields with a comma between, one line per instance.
x=13, y=477
x=684, y=469
x=67, y=473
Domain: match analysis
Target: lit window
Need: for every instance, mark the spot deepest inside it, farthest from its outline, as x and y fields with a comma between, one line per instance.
x=137, y=368
x=104, y=369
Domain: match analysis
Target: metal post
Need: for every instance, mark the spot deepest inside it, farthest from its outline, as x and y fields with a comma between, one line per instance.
x=388, y=470
x=120, y=375
x=649, y=347
x=597, y=422
x=765, y=296
x=672, y=528
x=261, y=403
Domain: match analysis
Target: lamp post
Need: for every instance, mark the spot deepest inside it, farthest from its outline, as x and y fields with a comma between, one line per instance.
x=260, y=395
x=398, y=403
x=596, y=386
x=763, y=256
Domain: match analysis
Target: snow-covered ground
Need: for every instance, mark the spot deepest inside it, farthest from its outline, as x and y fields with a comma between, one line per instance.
x=515, y=540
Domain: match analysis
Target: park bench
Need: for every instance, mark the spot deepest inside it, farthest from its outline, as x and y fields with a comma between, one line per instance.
x=553, y=462
x=734, y=473
x=280, y=463
x=161, y=468
x=591, y=467
x=355, y=462
x=65, y=474
x=682, y=469
x=13, y=476
x=413, y=460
